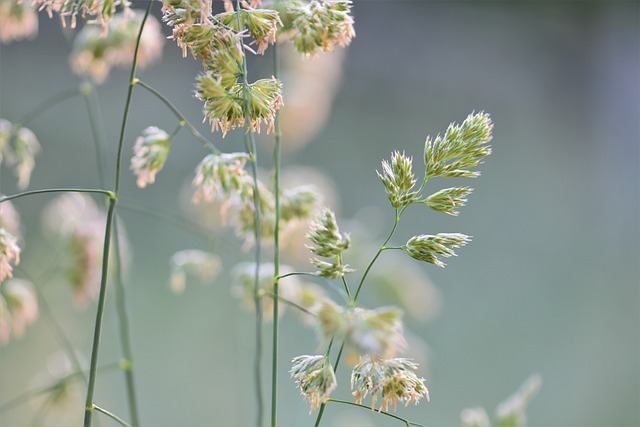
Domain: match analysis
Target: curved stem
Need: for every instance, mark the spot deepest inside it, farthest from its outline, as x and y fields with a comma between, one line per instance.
x=250, y=148
x=197, y=135
x=45, y=105
x=111, y=415
x=382, y=247
x=107, y=193
x=345, y=402
x=344, y=282
x=99, y=315
x=297, y=273
x=89, y=406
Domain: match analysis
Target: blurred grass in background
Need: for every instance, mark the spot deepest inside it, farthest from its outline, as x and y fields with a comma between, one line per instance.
x=550, y=284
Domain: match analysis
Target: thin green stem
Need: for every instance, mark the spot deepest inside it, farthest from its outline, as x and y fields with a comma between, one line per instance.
x=176, y=130
x=107, y=193
x=45, y=105
x=345, y=402
x=99, y=315
x=89, y=406
x=250, y=148
x=111, y=415
x=276, y=252
x=382, y=247
x=125, y=340
x=297, y=273
x=344, y=282
x=197, y=135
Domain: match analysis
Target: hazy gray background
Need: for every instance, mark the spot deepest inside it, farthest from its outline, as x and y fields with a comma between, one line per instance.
x=549, y=284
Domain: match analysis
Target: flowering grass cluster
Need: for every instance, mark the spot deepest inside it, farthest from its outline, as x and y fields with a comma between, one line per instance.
x=262, y=214
x=391, y=380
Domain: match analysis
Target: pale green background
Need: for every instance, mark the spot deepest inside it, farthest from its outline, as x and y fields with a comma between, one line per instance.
x=549, y=284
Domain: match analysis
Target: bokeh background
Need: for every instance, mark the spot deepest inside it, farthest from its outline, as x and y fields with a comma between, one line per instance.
x=550, y=284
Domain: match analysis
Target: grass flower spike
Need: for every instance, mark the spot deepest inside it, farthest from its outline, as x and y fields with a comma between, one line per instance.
x=149, y=155
x=224, y=106
x=398, y=180
x=463, y=147
x=427, y=247
x=448, y=199
x=261, y=23
x=9, y=254
x=393, y=380
x=10, y=219
x=328, y=243
x=100, y=11
x=315, y=377
x=319, y=25
x=18, y=20
x=218, y=175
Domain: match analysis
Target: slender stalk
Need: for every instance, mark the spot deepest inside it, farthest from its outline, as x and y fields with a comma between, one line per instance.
x=344, y=282
x=45, y=105
x=276, y=253
x=111, y=415
x=97, y=126
x=345, y=402
x=127, y=105
x=89, y=406
x=99, y=315
x=250, y=148
x=107, y=193
x=297, y=273
x=382, y=247
x=125, y=339
x=197, y=135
